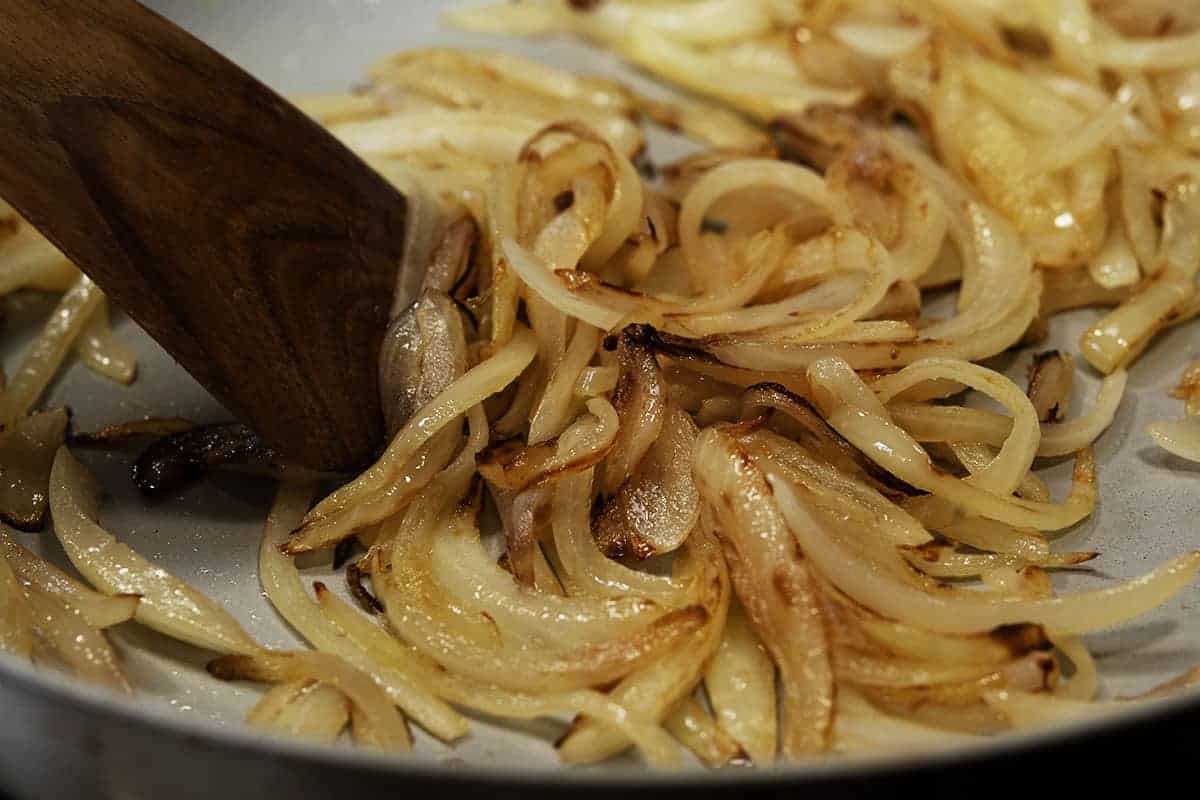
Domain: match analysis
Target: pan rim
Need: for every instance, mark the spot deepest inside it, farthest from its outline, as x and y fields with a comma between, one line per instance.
x=51, y=686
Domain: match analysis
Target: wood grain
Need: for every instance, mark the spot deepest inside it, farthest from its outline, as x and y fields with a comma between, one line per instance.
x=245, y=239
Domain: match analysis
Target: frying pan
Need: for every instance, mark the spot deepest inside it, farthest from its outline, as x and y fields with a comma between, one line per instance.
x=182, y=736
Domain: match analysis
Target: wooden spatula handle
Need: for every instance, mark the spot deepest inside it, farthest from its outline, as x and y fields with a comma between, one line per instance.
x=245, y=239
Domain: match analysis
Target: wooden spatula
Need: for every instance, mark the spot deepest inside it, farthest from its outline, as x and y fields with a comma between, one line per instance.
x=246, y=240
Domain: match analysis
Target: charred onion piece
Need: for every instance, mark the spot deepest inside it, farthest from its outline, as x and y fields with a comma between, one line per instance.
x=134, y=431
x=641, y=403
x=1051, y=378
x=654, y=511
x=514, y=465
x=523, y=515
x=177, y=460
x=814, y=434
x=26, y=454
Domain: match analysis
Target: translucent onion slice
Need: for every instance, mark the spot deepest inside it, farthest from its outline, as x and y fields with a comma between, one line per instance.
x=859, y=727
x=29, y=260
x=383, y=490
x=1027, y=710
x=959, y=424
x=1188, y=389
x=470, y=577
x=48, y=350
x=552, y=413
x=424, y=350
x=419, y=610
x=859, y=419
x=836, y=493
x=1051, y=378
x=16, y=617
x=1116, y=265
x=1066, y=148
x=740, y=684
x=773, y=357
x=81, y=647
x=103, y=353
x=1121, y=336
x=696, y=730
x=883, y=42
x=489, y=698
x=279, y=667
x=653, y=690
x=97, y=610
x=556, y=288
x=863, y=669
x=1179, y=437
x=892, y=598
x=167, y=604
x=485, y=134
x=283, y=587
x=759, y=174
x=774, y=583
x=945, y=562
x=920, y=644
x=585, y=566
x=1006, y=471
x=302, y=709
x=758, y=93
x=1163, y=53
x=26, y=452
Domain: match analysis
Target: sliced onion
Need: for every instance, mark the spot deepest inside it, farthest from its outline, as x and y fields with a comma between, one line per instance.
x=1180, y=437
x=167, y=604
x=302, y=709
x=883, y=42
x=1051, y=378
x=502, y=702
x=424, y=350
x=959, y=424
x=1016, y=455
x=102, y=353
x=758, y=93
x=1162, y=53
x=657, y=507
x=805, y=427
x=382, y=490
x=773, y=582
x=16, y=618
x=97, y=610
x=1189, y=388
x=694, y=728
x=471, y=578
x=882, y=593
x=641, y=403
x=26, y=453
x=48, y=350
x=283, y=587
x=651, y=692
x=740, y=683
x=85, y=650
x=278, y=667
x=514, y=467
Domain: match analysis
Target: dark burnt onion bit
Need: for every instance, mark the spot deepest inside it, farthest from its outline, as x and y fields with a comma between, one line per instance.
x=174, y=461
x=368, y=601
